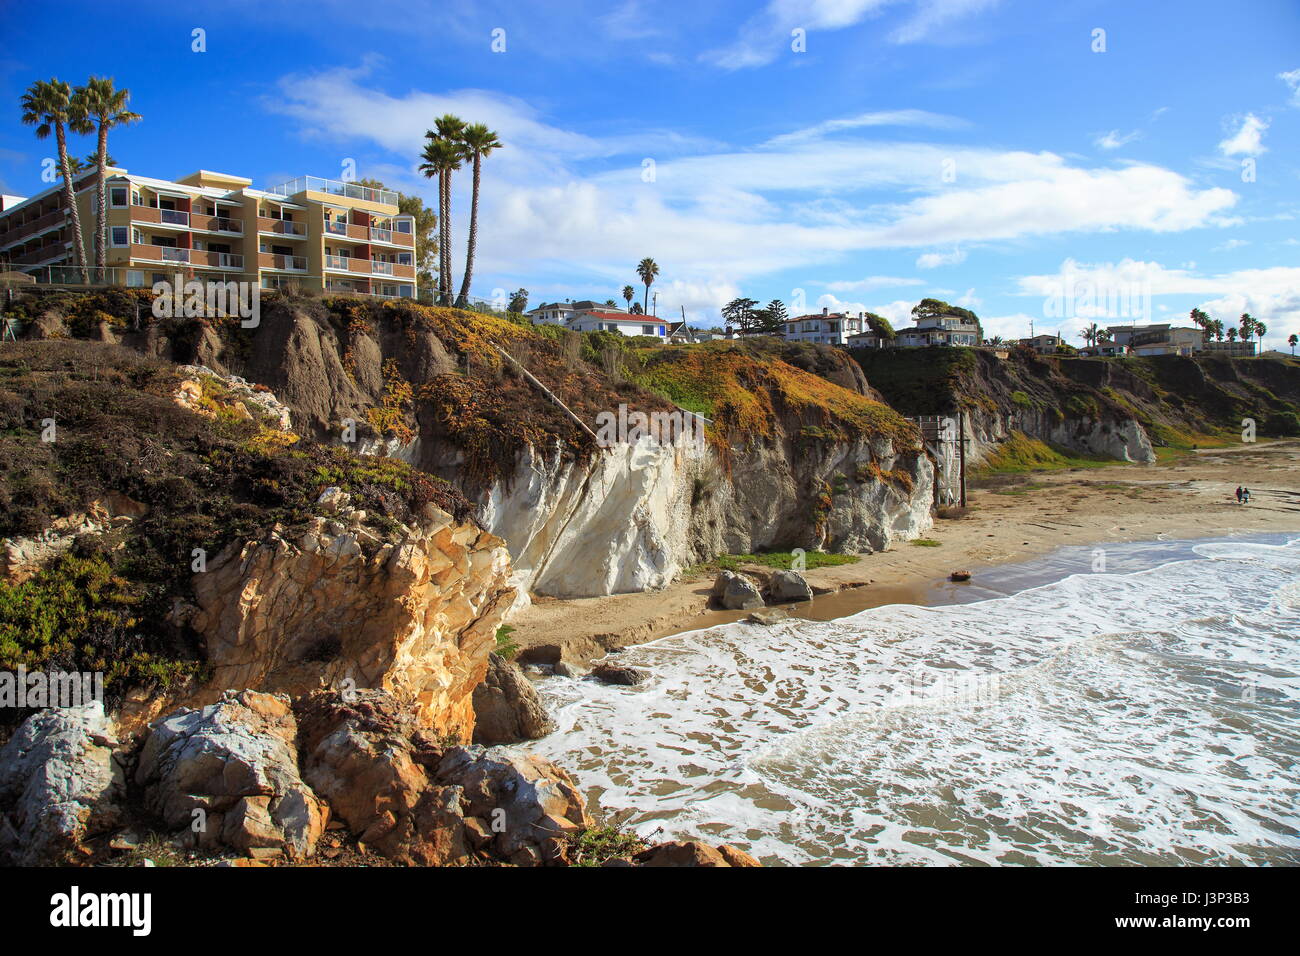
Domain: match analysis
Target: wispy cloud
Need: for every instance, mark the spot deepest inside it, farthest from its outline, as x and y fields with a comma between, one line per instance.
x=915, y=118
x=1115, y=139
x=1248, y=140
x=1292, y=79
x=932, y=260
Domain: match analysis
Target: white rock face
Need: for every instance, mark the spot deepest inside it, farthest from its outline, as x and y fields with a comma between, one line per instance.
x=1124, y=441
x=635, y=515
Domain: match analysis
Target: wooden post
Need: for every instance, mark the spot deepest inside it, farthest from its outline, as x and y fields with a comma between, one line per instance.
x=961, y=453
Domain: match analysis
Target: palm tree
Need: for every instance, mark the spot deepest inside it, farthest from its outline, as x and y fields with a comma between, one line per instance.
x=478, y=142
x=442, y=155
x=1089, y=333
x=1247, y=324
x=1232, y=335
x=1293, y=341
x=1260, y=330
x=628, y=293
x=47, y=106
x=104, y=105
x=647, y=269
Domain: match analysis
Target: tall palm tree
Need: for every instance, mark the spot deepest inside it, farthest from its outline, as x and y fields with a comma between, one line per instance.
x=647, y=269
x=1247, y=324
x=47, y=106
x=441, y=156
x=1232, y=335
x=1089, y=334
x=478, y=142
x=628, y=294
x=1260, y=330
x=1293, y=341
x=104, y=105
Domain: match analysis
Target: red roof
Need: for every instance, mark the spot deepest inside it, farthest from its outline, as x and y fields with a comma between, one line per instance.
x=619, y=317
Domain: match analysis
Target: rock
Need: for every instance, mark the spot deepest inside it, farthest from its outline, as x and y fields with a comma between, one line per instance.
x=564, y=669
x=507, y=709
x=766, y=618
x=618, y=674
x=959, y=576
x=60, y=784
x=416, y=616
x=735, y=591
x=525, y=800
x=333, y=499
x=236, y=761
x=693, y=853
x=786, y=586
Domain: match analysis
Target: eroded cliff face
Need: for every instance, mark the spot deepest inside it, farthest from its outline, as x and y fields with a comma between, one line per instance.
x=413, y=612
x=1123, y=439
x=633, y=516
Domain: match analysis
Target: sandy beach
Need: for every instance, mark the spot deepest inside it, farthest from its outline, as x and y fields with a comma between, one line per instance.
x=1009, y=519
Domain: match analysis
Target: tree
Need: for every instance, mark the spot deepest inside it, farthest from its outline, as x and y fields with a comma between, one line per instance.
x=1260, y=329
x=47, y=106
x=519, y=301
x=1247, y=326
x=741, y=314
x=881, y=326
x=1089, y=333
x=1200, y=319
x=426, y=244
x=775, y=315
x=1215, y=328
x=478, y=142
x=443, y=154
x=628, y=294
x=995, y=341
x=1104, y=335
x=1293, y=340
x=647, y=269
x=1232, y=335
x=99, y=102
x=931, y=308
x=636, y=309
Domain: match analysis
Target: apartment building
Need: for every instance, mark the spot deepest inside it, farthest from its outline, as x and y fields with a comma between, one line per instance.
x=1164, y=339
x=310, y=232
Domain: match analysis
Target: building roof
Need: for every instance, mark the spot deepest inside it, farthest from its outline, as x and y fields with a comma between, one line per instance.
x=607, y=316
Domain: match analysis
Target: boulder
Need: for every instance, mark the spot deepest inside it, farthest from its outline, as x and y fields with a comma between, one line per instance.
x=693, y=853
x=228, y=774
x=767, y=618
x=784, y=586
x=736, y=592
x=507, y=709
x=60, y=784
x=611, y=673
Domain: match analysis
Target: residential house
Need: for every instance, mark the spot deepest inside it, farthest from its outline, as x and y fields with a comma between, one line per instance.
x=1043, y=344
x=1104, y=349
x=829, y=328
x=608, y=320
x=309, y=232
x=939, y=330
x=1238, y=349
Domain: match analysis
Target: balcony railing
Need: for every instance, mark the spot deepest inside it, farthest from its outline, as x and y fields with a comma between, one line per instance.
x=174, y=216
x=381, y=235
x=338, y=228
x=229, y=225
x=287, y=263
x=336, y=188
x=380, y=267
x=172, y=254
x=336, y=262
x=229, y=260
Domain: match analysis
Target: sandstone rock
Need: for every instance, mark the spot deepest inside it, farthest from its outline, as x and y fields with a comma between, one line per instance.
x=766, y=618
x=506, y=706
x=59, y=785
x=416, y=616
x=618, y=674
x=788, y=586
x=333, y=500
x=236, y=761
x=563, y=668
x=735, y=591
x=693, y=853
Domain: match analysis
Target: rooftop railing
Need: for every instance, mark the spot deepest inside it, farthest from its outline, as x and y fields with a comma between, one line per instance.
x=334, y=187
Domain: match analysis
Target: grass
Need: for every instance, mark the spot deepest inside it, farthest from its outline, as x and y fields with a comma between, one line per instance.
x=926, y=543
x=505, y=646
x=781, y=560
x=1019, y=454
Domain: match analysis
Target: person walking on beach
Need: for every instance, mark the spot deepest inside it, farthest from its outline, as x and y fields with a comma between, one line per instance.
x=1245, y=496
x=1239, y=494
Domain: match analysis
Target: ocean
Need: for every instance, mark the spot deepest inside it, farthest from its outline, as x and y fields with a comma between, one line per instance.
x=1136, y=704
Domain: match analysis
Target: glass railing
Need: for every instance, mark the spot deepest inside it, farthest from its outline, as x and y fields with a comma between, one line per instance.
x=338, y=228
x=230, y=260
x=336, y=188
x=174, y=216
x=336, y=262
x=290, y=228
x=381, y=268
x=229, y=225
x=169, y=254
x=383, y=235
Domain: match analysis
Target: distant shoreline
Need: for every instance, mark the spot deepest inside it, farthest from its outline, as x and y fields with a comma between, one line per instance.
x=1014, y=519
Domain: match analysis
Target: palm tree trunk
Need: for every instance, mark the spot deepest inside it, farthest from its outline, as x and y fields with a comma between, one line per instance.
x=462, y=301
x=645, y=300
x=442, y=236
x=101, y=249
x=70, y=198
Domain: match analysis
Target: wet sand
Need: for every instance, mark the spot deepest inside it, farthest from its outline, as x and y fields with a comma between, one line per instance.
x=1010, y=520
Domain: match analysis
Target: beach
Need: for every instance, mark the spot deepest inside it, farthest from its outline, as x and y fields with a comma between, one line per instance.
x=1010, y=519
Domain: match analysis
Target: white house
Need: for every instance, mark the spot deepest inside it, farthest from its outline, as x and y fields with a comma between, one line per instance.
x=939, y=330
x=828, y=328
x=559, y=313
x=621, y=322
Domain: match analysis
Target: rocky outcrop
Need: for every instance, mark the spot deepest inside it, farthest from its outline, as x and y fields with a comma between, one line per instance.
x=22, y=557
x=239, y=393
x=693, y=853
x=784, y=586
x=413, y=612
x=507, y=709
x=228, y=775
x=611, y=673
x=416, y=802
x=736, y=592
x=60, y=784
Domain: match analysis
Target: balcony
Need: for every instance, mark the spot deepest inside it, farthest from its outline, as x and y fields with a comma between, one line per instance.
x=337, y=262
x=336, y=228
x=269, y=260
x=52, y=219
x=173, y=254
x=381, y=235
x=334, y=187
x=174, y=217
x=218, y=224
x=381, y=268
x=281, y=227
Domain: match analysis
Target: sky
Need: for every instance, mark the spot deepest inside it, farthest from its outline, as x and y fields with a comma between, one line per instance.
x=1044, y=164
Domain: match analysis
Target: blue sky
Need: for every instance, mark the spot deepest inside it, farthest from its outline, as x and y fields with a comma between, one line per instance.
x=1001, y=154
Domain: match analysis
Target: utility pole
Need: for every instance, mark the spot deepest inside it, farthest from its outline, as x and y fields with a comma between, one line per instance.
x=654, y=306
x=961, y=453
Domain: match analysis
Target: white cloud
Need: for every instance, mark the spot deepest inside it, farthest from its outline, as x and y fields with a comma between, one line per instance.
x=1292, y=79
x=921, y=118
x=932, y=260
x=934, y=14
x=870, y=283
x=1248, y=140
x=1115, y=139
x=629, y=21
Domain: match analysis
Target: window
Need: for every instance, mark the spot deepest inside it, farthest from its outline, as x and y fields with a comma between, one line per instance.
x=134, y=277
x=117, y=196
x=120, y=236
x=137, y=237
x=648, y=330
x=135, y=197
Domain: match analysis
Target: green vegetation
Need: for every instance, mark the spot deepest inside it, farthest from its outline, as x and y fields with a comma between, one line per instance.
x=925, y=543
x=781, y=560
x=597, y=845
x=505, y=646
x=1020, y=453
